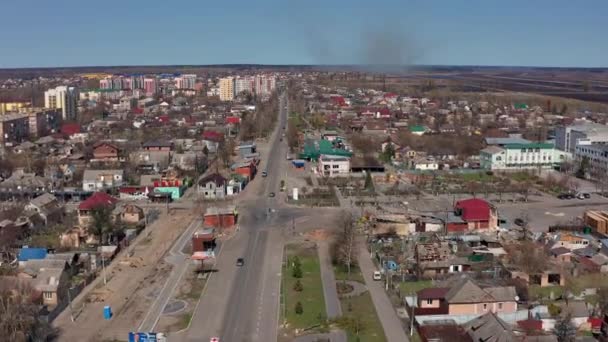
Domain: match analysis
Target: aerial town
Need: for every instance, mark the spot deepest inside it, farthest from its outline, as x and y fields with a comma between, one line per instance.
x=315, y=205
x=283, y=171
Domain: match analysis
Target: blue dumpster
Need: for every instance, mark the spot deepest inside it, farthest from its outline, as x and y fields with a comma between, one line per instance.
x=107, y=312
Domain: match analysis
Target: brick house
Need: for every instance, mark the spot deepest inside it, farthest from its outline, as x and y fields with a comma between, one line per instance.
x=220, y=217
x=477, y=213
x=104, y=151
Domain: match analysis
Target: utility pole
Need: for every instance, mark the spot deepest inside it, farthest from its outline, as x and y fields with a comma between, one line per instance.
x=412, y=316
x=70, y=303
x=103, y=268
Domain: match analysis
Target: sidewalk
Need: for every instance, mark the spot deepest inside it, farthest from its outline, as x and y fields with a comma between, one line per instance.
x=332, y=302
x=392, y=325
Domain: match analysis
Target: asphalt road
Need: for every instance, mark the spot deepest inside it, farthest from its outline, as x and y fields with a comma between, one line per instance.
x=242, y=303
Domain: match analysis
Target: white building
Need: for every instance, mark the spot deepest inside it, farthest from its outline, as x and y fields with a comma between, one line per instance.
x=64, y=98
x=186, y=81
x=332, y=166
x=568, y=137
x=95, y=180
x=425, y=164
x=242, y=84
x=226, y=88
x=522, y=156
x=264, y=84
x=597, y=155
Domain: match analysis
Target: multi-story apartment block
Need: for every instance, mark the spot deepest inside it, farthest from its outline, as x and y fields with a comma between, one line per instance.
x=14, y=128
x=150, y=86
x=244, y=84
x=264, y=84
x=43, y=122
x=8, y=107
x=64, y=98
x=226, y=89
x=187, y=81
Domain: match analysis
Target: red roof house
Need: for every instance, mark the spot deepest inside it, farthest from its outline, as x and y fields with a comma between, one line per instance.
x=70, y=128
x=212, y=136
x=233, y=120
x=96, y=201
x=477, y=213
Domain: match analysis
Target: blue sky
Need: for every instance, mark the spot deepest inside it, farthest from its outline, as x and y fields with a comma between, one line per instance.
x=452, y=32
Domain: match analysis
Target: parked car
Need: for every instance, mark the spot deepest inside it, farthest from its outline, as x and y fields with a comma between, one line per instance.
x=264, y=173
x=518, y=221
x=565, y=196
x=583, y=195
x=377, y=275
x=240, y=261
x=272, y=194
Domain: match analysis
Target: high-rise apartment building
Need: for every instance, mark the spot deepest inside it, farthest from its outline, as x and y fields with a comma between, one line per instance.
x=185, y=81
x=244, y=84
x=264, y=84
x=226, y=88
x=150, y=86
x=64, y=98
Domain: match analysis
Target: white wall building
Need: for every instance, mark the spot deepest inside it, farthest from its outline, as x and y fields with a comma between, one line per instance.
x=242, y=84
x=186, y=81
x=597, y=155
x=568, y=137
x=332, y=166
x=64, y=98
x=95, y=180
x=522, y=156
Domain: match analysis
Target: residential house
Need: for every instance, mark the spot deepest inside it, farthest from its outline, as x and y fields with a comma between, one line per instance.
x=97, y=201
x=332, y=166
x=521, y=156
x=477, y=213
x=578, y=311
x=246, y=148
x=49, y=277
x=245, y=168
x=212, y=186
x=186, y=161
x=418, y=129
x=570, y=241
x=151, y=160
x=236, y=184
x=96, y=180
x=220, y=217
x=436, y=258
x=489, y=327
x=464, y=297
x=424, y=164
x=158, y=146
x=105, y=152
x=48, y=207
x=128, y=213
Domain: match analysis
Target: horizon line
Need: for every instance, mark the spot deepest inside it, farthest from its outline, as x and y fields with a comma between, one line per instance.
x=372, y=66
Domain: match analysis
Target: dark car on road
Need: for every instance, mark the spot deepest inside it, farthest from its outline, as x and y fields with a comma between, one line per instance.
x=565, y=196
x=518, y=221
x=271, y=194
x=240, y=262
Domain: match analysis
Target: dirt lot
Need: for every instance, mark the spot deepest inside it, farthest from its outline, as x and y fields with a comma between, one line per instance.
x=132, y=284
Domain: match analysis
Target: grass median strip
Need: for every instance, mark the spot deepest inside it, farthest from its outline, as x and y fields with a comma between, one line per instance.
x=301, y=280
x=359, y=317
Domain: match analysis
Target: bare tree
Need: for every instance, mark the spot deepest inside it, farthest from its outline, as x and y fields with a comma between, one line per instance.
x=19, y=319
x=344, y=247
